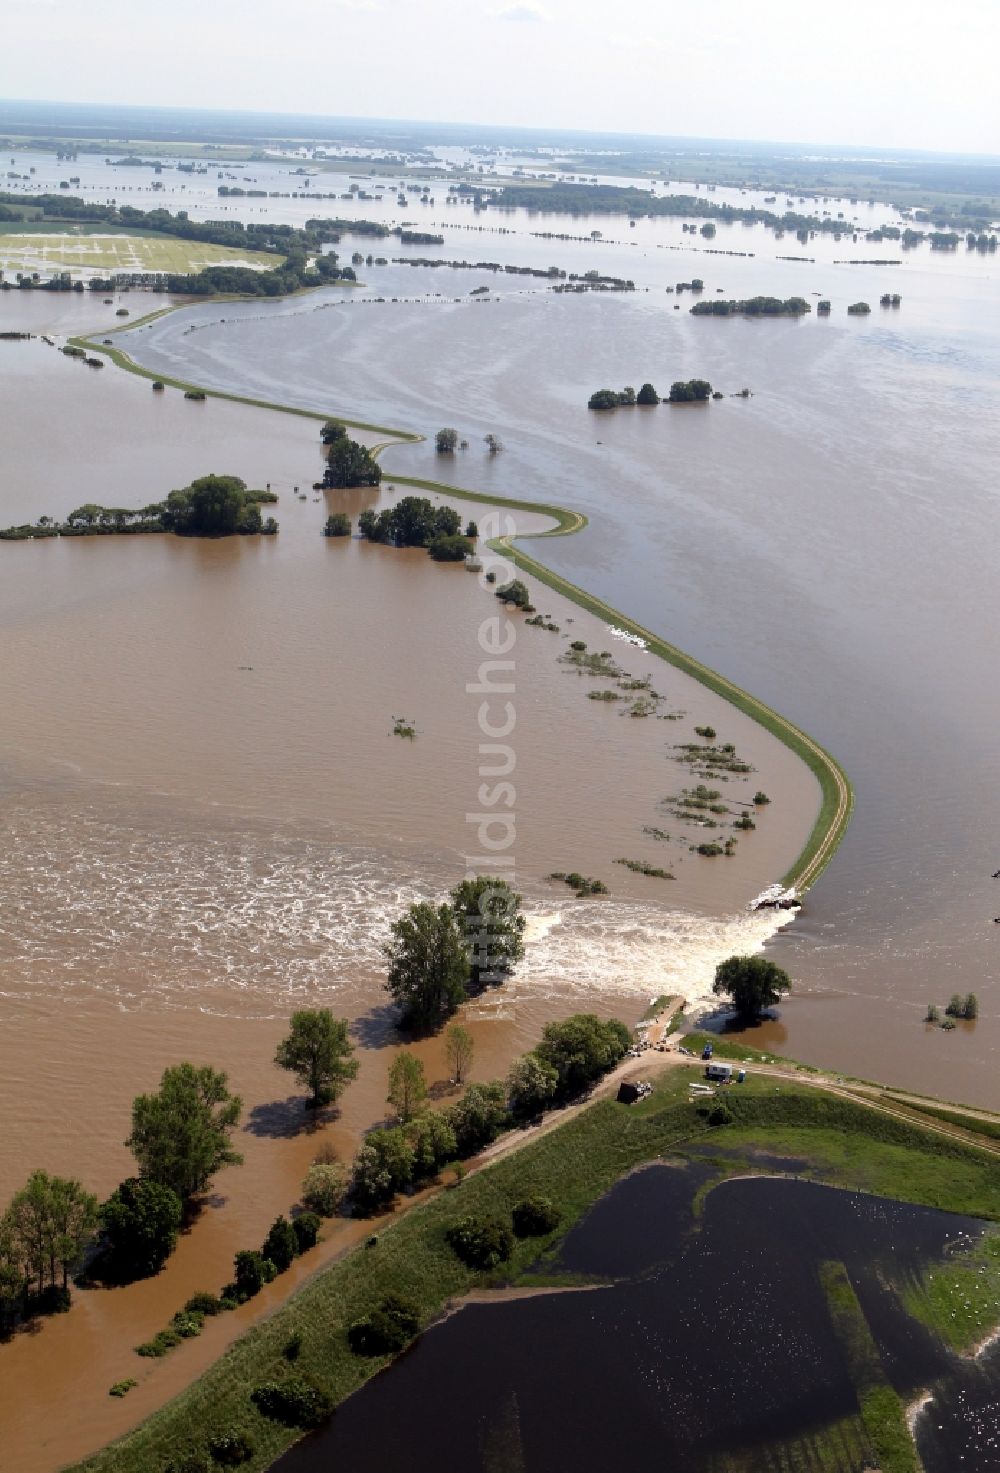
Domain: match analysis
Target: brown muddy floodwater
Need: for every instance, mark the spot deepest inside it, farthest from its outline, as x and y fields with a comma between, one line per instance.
x=206, y=822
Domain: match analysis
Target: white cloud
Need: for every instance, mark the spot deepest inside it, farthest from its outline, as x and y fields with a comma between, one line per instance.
x=523, y=13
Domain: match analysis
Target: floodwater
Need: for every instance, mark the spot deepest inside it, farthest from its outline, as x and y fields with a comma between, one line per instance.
x=207, y=822
x=826, y=543
x=706, y=1345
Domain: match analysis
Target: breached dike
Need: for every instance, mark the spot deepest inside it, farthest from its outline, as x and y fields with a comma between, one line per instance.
x=776, y=897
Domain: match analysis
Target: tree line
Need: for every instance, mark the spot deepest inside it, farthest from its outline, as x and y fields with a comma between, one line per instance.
x=611, y=199
x=752, y=307
x=182, y=1133
x=212, y=506
x=681, y=392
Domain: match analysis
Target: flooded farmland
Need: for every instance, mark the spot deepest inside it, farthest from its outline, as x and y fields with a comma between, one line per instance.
x=709, y=1348
x=207, y=820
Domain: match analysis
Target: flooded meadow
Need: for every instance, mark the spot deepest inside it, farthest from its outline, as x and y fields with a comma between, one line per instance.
x=704, y=1341
x=207, y=820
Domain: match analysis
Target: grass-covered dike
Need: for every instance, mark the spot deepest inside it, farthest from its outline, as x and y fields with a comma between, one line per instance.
x=847, y=1144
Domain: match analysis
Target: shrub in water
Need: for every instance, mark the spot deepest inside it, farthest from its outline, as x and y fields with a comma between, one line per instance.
x=281, y=1245
x=188, y=1325
x=535, y=1216
x=306, y=1229
x=204, y=1304
x=253, y=1271
x=324, y=1187
x=160, y=1344
x=450, y=549
x=481, y=1243
x=515, y=593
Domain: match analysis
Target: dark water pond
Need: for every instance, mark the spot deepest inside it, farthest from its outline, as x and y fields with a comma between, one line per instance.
x=708, y=1342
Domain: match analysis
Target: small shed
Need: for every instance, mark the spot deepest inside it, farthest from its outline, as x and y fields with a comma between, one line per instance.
x=722, y=1073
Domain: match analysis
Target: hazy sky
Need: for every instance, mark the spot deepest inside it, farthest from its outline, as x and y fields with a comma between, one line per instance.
x=918, y=74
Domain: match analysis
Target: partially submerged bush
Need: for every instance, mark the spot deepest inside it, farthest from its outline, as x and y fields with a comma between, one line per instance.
x=515, y=593
x=450, y=549
x=252, y=1272
x=204, y=1304
x=306, y=1229
x=281, y=1244
x=324, y=1187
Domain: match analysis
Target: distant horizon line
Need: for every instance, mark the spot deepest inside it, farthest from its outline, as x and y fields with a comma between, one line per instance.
x=536, y=131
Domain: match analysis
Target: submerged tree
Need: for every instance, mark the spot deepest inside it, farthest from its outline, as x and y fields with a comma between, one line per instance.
x=48, y=1225
x=319, y=1053
x=488, y=913
x=753, y=982
x=407, y=1086
x=181, y=1135
x=413, y=522
x=141, y=1220
x=446, y=441
x=458, y=1050
x=212, y=506
x=428, y=965
x=351, y=464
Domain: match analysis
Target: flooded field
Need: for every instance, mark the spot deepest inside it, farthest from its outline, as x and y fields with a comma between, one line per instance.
x=823, y=543
x=207, y=822
x=711, y=1349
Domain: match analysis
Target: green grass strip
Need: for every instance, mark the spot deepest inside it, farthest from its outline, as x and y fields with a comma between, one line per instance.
x=960, y=1300
x=727, y=1048
x=972, y=1123
x=881, y=1408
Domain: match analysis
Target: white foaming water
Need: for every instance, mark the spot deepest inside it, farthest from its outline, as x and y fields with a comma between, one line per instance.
x=242, y=921
x=612, y=946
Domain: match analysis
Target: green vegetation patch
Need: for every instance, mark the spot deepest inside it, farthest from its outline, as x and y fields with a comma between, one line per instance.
x=990, y=1129
x=735, y=1048
x=643, y=867
x=960, y=1300
x=881, y=1409
x=117, y=252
